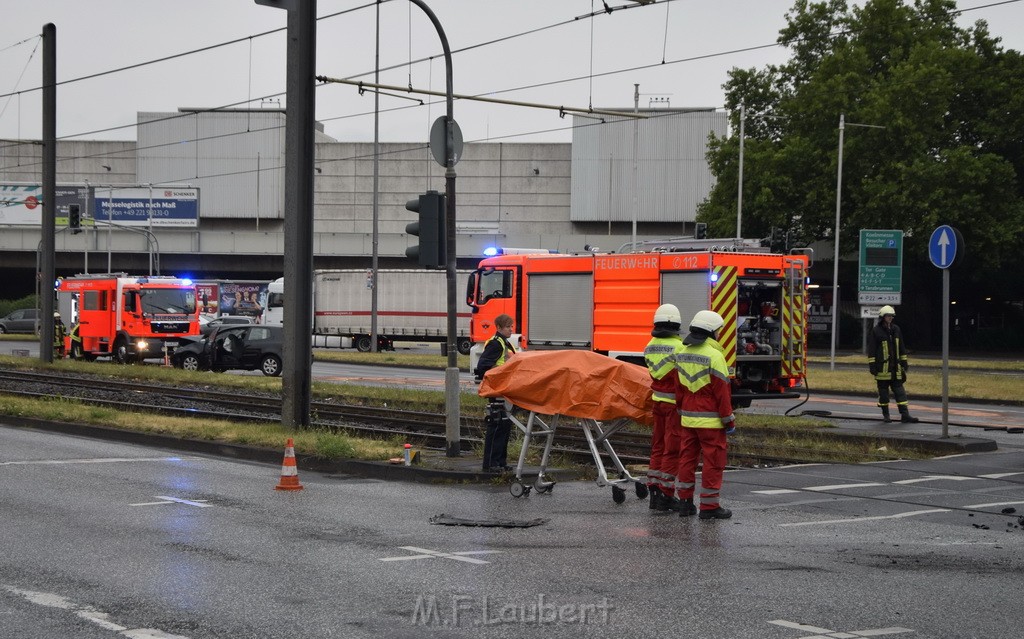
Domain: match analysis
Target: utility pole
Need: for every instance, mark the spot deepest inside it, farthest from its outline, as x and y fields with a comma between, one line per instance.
x=296, y=382
x=47, y=268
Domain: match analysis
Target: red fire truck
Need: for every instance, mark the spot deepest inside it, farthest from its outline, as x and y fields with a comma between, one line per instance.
x=127, y=318
x=605, y=301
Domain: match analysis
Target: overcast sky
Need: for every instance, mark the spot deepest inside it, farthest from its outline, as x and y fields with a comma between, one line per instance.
x=546, y=56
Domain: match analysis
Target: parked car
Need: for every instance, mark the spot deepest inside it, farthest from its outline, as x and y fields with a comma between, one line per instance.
x=20, y=321
x=234, y=347
x=207, y=326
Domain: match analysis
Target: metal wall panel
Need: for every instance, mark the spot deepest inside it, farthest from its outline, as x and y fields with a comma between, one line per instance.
x=555, y=314
x=689, y=291
x=236, y=158
x=670, y=178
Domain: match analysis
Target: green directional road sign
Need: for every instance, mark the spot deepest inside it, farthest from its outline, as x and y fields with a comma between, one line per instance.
x=881, y=266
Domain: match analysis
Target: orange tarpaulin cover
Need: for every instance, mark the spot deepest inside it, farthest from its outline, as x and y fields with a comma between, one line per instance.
x=574, y=383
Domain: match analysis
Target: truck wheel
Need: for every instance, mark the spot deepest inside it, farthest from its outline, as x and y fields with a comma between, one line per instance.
x=363, y=344
x=271, y=366
x=465, y=344
x=121, y=354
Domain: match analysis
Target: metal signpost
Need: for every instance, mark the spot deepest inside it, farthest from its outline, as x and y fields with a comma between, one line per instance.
x=944, y=247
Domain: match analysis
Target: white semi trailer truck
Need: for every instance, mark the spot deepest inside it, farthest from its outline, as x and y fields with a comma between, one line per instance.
x=412, y=305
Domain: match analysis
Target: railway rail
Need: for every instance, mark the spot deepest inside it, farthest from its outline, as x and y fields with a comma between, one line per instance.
x=425, y=428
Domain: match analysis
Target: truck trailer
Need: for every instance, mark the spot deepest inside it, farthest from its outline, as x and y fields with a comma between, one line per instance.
x=605, y=302
x=411, y=306
x=125, y=317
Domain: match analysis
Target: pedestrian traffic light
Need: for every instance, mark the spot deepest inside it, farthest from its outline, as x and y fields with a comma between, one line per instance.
x=700, y=231
x=430, y=228
x=75, y=218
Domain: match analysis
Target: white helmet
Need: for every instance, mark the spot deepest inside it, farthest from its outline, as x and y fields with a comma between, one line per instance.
x=667, y=313
x=709, y=321
x=886, y=310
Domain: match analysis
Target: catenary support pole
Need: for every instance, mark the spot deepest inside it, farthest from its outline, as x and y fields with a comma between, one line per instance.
x=47, y=267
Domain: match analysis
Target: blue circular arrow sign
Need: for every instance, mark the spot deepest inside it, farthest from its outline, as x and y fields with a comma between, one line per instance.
x=943, y=246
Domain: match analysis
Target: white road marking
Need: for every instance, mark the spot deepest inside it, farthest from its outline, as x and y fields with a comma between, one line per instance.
x=435, y=554
x=779, y=491
x=825, y=633
x=918, y=480
x=841, y=486
x=797, y=626
x=102, y=460
x=911, y=513
x=174, y=500
x=996, y=503
x=89, y=614
x=1000, y=475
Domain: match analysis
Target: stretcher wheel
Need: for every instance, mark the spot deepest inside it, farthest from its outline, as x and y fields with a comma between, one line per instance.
x=641, y=491
x=518, y=489
x=543, y=489
x=618, y=495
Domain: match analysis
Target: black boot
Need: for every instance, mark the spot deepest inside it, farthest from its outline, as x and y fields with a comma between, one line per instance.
x=905, y=416
x=885, y=415
x=717, y=513
x=687, y=508
x=655, y=497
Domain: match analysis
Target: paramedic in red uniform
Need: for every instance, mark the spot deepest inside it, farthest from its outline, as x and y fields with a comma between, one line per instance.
x=704, y=399
x=659, y=355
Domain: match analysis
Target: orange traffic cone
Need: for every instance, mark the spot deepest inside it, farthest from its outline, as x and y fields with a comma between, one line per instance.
x=289, y=471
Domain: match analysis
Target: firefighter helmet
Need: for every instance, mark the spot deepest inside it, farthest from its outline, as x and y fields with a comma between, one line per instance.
x=886, y=310
x=709, y=321
x=56, y=315
x=667, y=313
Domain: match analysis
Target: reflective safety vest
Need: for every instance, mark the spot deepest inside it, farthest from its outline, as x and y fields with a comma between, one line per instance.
x=506, y=348
x=704, y=395
x=659, y=355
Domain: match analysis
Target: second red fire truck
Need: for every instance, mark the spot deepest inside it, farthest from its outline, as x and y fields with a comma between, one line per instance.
x=605, y=301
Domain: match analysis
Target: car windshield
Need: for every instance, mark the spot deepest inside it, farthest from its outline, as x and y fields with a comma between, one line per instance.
x=160, y=301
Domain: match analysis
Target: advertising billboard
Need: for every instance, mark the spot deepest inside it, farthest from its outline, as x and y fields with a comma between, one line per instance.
x=143, y=206
x=22, y=204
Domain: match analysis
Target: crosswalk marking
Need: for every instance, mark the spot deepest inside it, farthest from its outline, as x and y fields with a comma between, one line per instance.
x=911, y=513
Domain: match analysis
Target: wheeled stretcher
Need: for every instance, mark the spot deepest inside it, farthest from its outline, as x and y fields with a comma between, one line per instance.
x=600, y=394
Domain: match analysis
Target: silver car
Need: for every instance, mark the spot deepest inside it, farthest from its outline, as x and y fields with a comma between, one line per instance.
x=20, y=321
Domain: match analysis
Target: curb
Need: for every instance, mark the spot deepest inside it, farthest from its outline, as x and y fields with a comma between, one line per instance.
x=931, y=443
x=361, y=468
x=397, y=472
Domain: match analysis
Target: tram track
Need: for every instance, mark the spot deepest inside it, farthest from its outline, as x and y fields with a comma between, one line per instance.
x=425, y=428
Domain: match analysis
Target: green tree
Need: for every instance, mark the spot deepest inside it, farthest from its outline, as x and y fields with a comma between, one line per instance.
x=952, y=151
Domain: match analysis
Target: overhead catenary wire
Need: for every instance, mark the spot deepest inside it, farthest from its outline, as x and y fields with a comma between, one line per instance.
x=520, y=88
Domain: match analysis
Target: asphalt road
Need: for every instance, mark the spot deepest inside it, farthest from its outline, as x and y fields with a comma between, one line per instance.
x=113, y=540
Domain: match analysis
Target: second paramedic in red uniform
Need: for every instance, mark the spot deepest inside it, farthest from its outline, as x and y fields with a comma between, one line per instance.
x=659, y=355
x=704, y=400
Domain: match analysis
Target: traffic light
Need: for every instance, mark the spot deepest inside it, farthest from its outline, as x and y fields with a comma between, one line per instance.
x=700, y=231
x=431, y=229
x=75, y=218
x=778, y=242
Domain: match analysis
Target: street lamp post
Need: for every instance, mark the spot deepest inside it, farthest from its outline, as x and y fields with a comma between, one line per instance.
x=835, y=237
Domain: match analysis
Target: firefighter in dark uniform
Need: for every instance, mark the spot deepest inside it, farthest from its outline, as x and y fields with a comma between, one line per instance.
x=659, y=355
x=887, y=362
x=59, y=331
x=496, y=350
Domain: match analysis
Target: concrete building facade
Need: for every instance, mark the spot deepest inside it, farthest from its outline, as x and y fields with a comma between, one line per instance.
x=545, y=195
